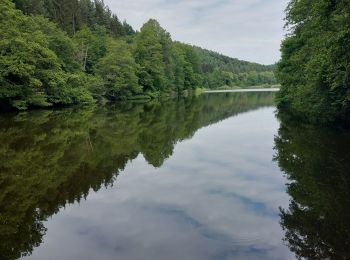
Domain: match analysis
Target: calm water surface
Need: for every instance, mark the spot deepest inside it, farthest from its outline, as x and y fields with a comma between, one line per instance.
x=209, y=177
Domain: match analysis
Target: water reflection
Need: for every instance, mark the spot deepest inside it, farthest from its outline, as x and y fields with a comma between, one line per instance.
x=317, y=164
x=49, y=159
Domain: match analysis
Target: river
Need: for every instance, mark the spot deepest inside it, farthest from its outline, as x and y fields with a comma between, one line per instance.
x=216, y=176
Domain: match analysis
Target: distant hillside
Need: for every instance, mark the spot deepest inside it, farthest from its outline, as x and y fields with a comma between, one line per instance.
x=211, y=60
x=221, y=70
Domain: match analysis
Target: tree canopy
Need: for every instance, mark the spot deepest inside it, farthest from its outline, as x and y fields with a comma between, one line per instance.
x=315, y=67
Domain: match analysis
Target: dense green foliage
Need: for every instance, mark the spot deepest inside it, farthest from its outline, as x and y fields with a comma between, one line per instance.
x=31, y=73
x=315, y=66
x=72, y=15
x=317, y=220
x=76, y=51
x=52, y=158
x=118, y=72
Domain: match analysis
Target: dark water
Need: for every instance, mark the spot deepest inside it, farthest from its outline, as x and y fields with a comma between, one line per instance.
x=209, y=177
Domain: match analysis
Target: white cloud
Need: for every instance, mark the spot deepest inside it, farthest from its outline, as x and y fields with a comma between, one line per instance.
x=245, y=29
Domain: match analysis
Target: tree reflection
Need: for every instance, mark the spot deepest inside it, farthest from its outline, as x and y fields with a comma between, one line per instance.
x=51, y=158
x=317, y=165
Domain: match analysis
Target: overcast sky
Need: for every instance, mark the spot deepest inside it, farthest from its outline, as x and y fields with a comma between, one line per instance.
x=246, y=29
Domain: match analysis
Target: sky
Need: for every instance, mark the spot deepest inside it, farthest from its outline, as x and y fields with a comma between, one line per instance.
x=250, y=30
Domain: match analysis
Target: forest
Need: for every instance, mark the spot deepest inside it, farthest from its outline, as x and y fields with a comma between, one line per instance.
x=65, y=52
x=315, y=67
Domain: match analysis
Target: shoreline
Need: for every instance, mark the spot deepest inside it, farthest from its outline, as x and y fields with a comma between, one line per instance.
x=243, y=90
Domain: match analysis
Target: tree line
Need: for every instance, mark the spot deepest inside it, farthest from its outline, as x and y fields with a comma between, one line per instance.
x=315, y=67
x=63, y=52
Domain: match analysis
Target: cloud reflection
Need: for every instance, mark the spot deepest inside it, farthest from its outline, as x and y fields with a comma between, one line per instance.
x=189, y=208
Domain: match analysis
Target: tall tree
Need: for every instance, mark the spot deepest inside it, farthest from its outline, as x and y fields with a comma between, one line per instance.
x=118, y=71
x=149, y=55
x=91, y=46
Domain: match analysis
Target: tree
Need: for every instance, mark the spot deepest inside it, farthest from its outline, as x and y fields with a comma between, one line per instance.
x=315, y=65
x=59, y=43
x=128, y=29
x=149, y=55
x=191, y=68
x=116, y=28
x=31, y=74
x=24, y=83
x=91, y=46
x=36, y=7
x=118, y=71
x=179, y=73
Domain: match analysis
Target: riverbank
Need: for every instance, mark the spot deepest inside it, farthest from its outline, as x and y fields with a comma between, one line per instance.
x=243, y=90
